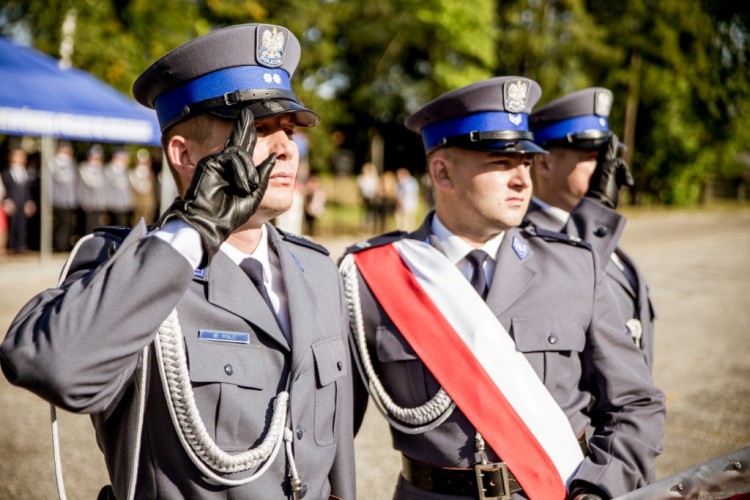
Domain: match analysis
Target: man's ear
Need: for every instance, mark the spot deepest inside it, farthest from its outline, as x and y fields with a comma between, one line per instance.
x=179, y=156
x=440, y=172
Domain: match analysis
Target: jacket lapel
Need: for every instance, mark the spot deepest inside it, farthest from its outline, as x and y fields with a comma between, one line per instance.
x=230, y=289
x=512, y=274
x=302, y=299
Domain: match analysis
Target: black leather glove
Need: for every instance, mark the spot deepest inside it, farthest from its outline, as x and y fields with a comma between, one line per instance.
x=610, y=174
x=586, y=496
x=226, y=189
x=581, y=490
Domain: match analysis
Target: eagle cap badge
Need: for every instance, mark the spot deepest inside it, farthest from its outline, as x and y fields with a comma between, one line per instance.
x=602, y=103
x=516, y=93
x=271, y=45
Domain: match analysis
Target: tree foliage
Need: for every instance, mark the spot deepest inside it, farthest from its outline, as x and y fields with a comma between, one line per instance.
x=678, y=68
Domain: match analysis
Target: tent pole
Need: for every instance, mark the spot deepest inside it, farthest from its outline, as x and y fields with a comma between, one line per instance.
x=45, y=238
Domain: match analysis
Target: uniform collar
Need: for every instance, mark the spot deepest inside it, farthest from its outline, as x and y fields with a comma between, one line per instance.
x=261, y=253
x=455, y=248
x=557, y=213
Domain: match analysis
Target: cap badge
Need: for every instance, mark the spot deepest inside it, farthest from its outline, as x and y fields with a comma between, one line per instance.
x=271, y=45
x=516, y=94
x=515, y=119
x=603, y=103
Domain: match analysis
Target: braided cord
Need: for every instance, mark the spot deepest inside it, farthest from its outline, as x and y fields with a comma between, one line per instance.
x=419, y=419
x=202, y=450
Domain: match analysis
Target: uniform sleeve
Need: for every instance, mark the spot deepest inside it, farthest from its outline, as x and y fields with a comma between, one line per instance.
x=628, y=415
x=342, y=475
x=77, y=346
x=597, y=225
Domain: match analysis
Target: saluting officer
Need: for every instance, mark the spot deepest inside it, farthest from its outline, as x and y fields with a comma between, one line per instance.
x=230, y=335
x=488, y=347
x=577, y=185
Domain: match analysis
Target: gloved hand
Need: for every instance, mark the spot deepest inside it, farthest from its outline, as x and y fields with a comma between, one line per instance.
x=587, y=496
x=226, y=189
x=610, y=174
x=581, y=490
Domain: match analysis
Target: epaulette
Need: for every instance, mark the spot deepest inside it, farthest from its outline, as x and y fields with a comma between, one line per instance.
x=376, y=241
x=302, y=241
x=112, y=232
x=548, y=235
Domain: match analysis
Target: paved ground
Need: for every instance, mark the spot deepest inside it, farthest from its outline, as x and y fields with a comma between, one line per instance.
x=698, y=266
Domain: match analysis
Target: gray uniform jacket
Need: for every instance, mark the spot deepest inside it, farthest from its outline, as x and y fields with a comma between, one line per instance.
x=557, y=307
x=602, y=227
x=78, y=347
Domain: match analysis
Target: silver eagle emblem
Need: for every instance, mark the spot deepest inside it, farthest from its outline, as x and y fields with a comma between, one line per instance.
x=516, y=94
x=271, y=46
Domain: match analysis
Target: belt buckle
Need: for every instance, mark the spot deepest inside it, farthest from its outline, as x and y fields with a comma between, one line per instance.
x=493, y=481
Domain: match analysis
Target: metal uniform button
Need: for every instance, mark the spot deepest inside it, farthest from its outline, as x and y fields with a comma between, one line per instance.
x=552, y=339
x=300, y=432
x=601, y=231
x=302, y=491
x=339, y=365
x=228, y=369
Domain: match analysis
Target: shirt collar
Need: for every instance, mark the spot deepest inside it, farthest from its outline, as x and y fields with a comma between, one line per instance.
x=261, y=253
x=455, y=248
x=557, y=213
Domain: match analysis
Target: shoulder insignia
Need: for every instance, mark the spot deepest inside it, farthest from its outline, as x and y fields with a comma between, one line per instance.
x=376, y=241
x=521, y=249
x=302, y=241
x=556, y=236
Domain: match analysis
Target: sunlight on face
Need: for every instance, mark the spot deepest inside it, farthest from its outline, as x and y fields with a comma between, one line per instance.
x=488, y=192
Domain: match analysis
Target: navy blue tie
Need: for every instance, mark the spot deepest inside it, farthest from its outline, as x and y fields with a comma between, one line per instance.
x=254, y=270
x=476, y=258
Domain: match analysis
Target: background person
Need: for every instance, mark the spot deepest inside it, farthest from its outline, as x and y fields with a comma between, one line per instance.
x=119, y=190
x=408, y=199
x=92, y=189
x=18, y=201
x=583, y=175
x=143, y=182
x=64, y=197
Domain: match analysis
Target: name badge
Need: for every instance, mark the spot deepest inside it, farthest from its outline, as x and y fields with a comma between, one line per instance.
x=231, y=337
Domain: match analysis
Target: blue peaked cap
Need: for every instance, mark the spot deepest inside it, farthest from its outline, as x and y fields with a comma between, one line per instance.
x=224, y=71
x=491, y=115
x=578, y=120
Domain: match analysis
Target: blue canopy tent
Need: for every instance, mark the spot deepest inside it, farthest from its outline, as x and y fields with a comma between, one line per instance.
x=38, y=98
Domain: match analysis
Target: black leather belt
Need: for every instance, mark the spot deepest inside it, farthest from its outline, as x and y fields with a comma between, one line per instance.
x=497, y=482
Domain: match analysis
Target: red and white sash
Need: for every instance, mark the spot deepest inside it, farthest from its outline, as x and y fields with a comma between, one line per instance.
x=471, y=355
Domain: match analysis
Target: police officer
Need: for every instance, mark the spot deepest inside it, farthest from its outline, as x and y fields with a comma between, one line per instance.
x=490, y=348
x=212, y=324
x=582, y=175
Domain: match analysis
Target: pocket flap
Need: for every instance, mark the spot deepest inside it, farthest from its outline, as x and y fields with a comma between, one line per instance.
x=330, y=360
x=215, y=362
x=534, y=335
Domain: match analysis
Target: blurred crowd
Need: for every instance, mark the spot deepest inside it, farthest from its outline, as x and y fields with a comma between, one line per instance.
x=101, y=186
x=116, y=189
x=390, y=198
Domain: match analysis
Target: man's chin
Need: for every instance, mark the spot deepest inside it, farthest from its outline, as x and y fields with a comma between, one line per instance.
x=267, y=212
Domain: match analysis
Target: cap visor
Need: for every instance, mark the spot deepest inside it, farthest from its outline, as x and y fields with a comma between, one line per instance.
x=268, y=108
x=521, y=146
